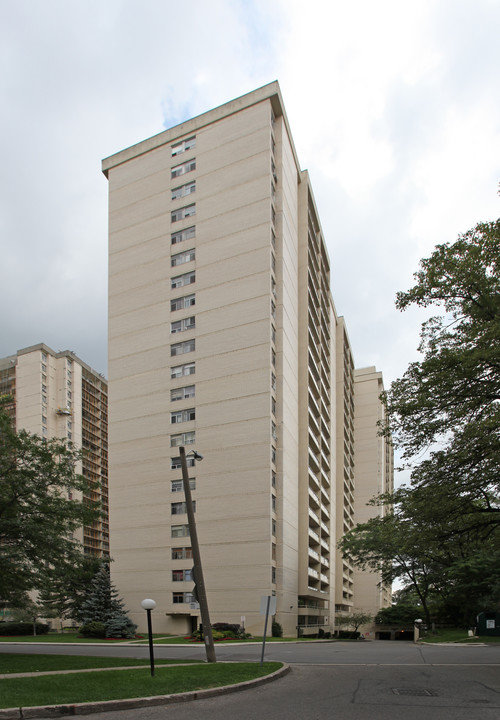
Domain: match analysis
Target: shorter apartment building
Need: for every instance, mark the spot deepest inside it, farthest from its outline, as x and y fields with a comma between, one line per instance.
x=374, y=473
x=57, y=395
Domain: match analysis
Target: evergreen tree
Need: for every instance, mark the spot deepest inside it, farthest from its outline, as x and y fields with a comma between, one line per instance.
x=103, y=605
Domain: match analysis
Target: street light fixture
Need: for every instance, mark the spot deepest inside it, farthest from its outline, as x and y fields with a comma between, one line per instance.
x=149, y=605
x=197, y=568
x=416, y=634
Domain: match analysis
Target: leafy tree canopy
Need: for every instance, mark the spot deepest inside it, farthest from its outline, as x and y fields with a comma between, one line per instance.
x=354, y=619
x=441, y=534
x=36, y=517
x=448, y=403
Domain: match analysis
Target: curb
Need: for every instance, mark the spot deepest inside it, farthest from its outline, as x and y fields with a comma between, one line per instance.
x=57, y=711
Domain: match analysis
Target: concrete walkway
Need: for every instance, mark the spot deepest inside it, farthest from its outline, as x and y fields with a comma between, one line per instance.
x=7, y=676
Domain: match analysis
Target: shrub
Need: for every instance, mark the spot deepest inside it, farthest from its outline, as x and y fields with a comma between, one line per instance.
x=93, y=629
x=277, y=630
x=23, y=628
x=227, y=628
x=348, y=635
x=120, y=626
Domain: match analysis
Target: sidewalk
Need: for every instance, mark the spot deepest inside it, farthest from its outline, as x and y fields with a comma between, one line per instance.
x=7, y=676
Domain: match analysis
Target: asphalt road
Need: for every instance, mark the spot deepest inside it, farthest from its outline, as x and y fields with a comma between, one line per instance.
x=334, y=681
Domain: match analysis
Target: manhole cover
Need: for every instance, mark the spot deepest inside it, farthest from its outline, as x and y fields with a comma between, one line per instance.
x=415, y=691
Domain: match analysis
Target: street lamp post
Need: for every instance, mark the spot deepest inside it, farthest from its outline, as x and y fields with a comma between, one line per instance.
x=416, y=632
x=149, y=605
x=198, y=571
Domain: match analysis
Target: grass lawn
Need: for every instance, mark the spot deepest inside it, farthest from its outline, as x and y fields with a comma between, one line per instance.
x=119, y=684
x=158, y=639
x=457, y=635
x=14, y=663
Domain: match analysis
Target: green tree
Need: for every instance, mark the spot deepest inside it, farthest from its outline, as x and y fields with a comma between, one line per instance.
x=400, y=614
x=103, y=605
x=448, y=403
x=354, y=619
x=440, y=534
x=395, y=546
x=36, y=517
x=64, y=590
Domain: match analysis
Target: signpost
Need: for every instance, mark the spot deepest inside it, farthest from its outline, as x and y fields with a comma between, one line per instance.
x=267, y=607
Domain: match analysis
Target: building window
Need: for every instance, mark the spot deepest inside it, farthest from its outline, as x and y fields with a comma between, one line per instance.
x=183, y=190
x=179, y=531
x=182, y=235
x=273, y=502
x=175, y=462
x=182, y=347
x=273, y=575
x=273, y=454
x=182, y=370
x=182, y=280
x=184, y=145
x=273, y=478
x=179, y=508
x=273, y=431
x=273, y=526
x=182, y=393
x=182, y=553
x=273, y=381
x=182, y=415
x=273, y=357
x=188, y=323
x=181, y=576
x=181, y=303
x=273, y=309
x=178, y=485
x=183, y=212
x=273, y=406
x=182, y=169
x=185, y=438
x=183, y=257
x=179, y=597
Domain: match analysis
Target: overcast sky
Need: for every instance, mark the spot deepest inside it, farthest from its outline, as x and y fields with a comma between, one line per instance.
x=394, y=107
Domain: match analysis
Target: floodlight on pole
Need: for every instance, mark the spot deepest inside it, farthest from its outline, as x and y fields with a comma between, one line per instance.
x=197, y=569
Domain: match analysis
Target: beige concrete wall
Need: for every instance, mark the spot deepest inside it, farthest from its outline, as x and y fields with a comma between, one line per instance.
x=374, y=475
x=253, y=535
x=232, y=378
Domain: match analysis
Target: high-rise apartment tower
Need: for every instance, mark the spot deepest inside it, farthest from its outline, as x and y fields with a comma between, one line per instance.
x=222, y=338
x=57, y=395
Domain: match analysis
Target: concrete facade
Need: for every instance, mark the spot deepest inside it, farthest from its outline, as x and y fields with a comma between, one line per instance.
x=57, y=395
x=374, y=476
x=222, y=337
